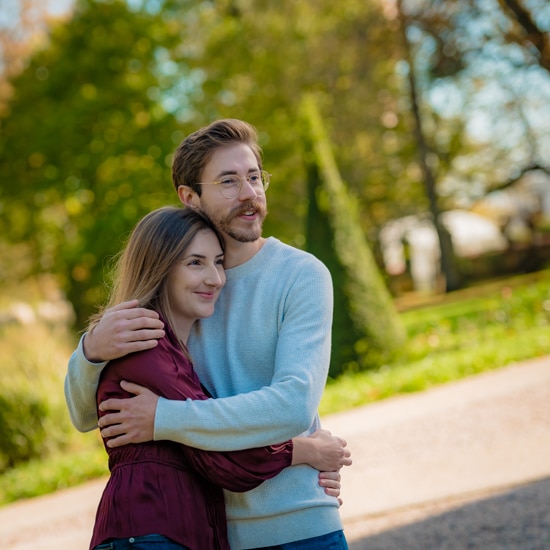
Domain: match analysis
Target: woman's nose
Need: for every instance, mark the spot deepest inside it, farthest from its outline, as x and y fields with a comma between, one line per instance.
x=214, y=277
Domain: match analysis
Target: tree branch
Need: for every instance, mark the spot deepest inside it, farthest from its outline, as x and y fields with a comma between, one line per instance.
x=538, y=38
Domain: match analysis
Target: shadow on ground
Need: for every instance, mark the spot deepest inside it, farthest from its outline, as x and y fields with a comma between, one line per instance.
x=516, y=520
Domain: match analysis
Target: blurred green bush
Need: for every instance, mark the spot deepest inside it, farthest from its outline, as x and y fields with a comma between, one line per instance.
x=33, y=417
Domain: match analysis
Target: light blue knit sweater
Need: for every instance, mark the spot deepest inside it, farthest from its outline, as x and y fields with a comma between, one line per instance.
x=270, y=340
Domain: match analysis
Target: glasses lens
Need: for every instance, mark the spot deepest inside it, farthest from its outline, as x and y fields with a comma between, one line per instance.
x=265, y=179
x=230, y=186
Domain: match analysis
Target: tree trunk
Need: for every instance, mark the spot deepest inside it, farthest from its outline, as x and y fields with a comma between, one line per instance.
x=448, y=263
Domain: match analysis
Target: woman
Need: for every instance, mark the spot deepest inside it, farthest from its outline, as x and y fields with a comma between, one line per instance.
x=162, y=494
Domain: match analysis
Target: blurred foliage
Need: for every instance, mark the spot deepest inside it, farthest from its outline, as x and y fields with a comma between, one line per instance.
x=87, y=134
x=33, y=419
x=366, y=330
x=84, y=146
x=38, y=445
x=484, y=68
x=23, y=433
x=81, y=460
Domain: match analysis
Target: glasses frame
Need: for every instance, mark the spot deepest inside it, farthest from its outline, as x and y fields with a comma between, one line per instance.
x=265, y=176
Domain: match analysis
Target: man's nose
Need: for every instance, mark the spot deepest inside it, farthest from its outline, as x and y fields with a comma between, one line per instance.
x=247, y=192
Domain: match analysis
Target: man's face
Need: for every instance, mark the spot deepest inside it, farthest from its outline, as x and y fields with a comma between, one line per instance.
x=242, y=217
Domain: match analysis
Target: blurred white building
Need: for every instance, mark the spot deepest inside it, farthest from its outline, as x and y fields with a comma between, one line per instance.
x=519, y=207
x=413, y=240
x=502, y=217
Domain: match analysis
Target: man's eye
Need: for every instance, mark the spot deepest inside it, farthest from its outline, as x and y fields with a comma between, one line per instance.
x=229, y=181
x=255, y=178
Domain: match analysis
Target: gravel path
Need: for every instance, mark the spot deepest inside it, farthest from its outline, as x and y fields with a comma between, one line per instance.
x=461, y=466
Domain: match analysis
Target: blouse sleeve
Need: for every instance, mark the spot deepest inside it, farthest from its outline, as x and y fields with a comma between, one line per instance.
x=240, y=471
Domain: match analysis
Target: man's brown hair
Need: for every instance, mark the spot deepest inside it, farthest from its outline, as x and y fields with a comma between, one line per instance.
x=195, y=151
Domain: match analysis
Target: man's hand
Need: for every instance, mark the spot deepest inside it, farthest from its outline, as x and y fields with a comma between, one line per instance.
x=123, y=329
x=133, y=419
x=334, y=452
x=331, y=482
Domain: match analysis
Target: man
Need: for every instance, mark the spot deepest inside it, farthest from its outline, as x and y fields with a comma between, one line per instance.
x=264, y=353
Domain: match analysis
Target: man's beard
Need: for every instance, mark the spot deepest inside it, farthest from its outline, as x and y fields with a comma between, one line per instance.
x=224, y=224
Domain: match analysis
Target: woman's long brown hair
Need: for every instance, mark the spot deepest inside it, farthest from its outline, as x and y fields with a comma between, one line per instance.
x=156, y=244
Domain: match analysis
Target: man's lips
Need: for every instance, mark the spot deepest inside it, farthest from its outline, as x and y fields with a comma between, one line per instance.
x=248, y=211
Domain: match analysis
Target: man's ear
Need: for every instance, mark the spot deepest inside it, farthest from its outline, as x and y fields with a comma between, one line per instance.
x=188, y=196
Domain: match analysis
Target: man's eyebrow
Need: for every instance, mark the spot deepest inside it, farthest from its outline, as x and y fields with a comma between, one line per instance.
x=234, y=172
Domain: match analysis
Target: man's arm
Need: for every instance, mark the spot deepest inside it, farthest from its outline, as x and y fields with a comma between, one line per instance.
x=80, y=390
x=280, y=411
x=123, y=329
x=288, y=406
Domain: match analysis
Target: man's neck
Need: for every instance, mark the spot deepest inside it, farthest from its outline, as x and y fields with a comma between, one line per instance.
x=237, y=253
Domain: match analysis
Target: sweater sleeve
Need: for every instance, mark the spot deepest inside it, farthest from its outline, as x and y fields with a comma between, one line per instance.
x=81, y=383
x=288, y=405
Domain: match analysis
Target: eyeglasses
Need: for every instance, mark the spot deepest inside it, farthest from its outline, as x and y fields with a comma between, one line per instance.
x=230, y=185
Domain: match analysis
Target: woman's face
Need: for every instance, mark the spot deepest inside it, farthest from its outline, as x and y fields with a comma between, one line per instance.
x=194, y=283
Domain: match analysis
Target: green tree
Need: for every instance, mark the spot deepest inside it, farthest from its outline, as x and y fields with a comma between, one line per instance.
x=366, y=330
x=448, y=261
x=85, y=143
x=262, y=56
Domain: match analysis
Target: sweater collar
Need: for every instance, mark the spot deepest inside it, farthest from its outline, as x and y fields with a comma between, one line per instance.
x=259, y=259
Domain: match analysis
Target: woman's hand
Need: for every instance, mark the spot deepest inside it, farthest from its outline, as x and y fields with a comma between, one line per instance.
x=322, y=450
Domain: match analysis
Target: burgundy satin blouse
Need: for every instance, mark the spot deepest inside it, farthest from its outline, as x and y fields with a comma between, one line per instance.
x=166, y=488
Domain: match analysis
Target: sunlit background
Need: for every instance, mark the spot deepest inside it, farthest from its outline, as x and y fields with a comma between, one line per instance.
x=415, y=133
x=96, y=95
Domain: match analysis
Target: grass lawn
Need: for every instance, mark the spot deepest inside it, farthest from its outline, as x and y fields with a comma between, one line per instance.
x=453, y=336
